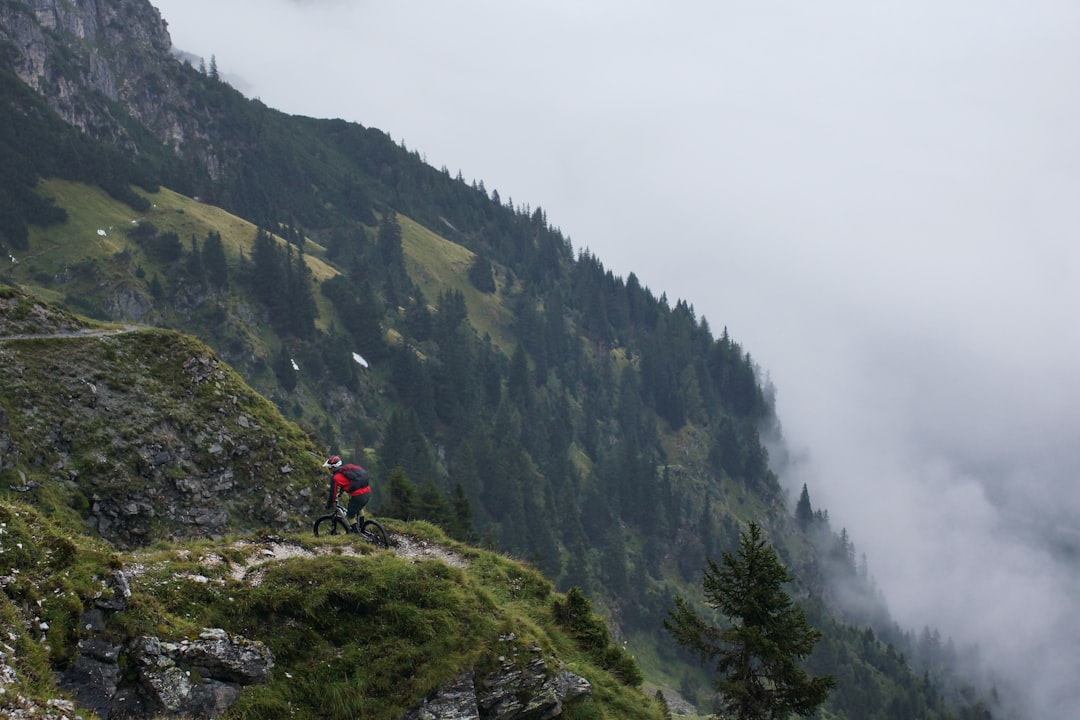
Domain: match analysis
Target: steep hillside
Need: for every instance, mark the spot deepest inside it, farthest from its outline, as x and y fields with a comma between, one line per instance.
x=138, y=435
x=144, y=432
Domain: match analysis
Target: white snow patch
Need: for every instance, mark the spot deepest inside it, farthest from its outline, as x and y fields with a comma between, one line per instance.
x=359, y=359
x=294, y=365
x=101, y=232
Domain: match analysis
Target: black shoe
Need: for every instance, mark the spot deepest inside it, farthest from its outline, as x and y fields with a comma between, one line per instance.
x=355, y=528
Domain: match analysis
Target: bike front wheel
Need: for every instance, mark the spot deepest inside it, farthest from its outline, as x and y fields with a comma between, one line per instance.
x=374, y=533
x=329, y=525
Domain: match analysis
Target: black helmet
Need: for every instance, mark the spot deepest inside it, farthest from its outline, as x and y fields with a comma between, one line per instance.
x=333, y=462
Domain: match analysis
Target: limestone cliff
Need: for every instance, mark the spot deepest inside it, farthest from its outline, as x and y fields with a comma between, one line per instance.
x=106, y=67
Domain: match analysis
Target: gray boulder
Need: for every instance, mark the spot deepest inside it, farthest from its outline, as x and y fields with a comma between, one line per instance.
x=191, y=679
x=533, y=691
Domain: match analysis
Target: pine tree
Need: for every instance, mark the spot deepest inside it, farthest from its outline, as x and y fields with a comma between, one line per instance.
x=404, y=445
x=389, y=241
x=804, y=513
x=757, y=655
x=213, y=260
x=268, y=276
x=284, y=370
x=195, y=270
x=481, y=275
x=302, y=310
x=461, y=527
x=401, y=499
x=664, y=705
x=432, y=505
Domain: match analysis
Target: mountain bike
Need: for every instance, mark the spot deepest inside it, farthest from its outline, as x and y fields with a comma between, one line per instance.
x=336, y=524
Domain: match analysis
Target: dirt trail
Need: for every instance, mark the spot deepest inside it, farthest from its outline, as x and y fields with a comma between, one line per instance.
x=272, y=548
x=80, y=333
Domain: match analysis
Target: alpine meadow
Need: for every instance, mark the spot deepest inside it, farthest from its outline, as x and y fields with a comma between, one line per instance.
x=203, y=298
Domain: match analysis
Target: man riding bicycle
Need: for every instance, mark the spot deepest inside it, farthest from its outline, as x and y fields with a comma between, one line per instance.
x=352, y=479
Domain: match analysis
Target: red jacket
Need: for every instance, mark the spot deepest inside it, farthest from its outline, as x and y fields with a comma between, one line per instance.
x=341, y=483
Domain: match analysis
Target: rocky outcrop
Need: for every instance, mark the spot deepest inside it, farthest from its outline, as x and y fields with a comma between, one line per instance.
x=200, y=678
x=86, y=55
x=147, y=677
x=157, y=434
x=532, y=691
x=532, y=688
x=95, y=61
x=454, y=701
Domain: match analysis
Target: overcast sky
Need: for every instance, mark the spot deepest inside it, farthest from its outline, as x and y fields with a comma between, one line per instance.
x=879, y=200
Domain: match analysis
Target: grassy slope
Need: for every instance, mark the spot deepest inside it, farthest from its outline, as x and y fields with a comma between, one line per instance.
x=91, y=212
x=435, y=264
x=355, y=632
x=438, y=265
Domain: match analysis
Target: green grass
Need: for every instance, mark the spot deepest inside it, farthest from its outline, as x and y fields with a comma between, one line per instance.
x=51, y=575
x=90, y=210
x=433, y=262
x=70, y=264
x=354, y=634
x=438, y=265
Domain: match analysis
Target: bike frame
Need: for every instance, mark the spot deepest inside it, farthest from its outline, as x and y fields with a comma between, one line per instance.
x=339, y=514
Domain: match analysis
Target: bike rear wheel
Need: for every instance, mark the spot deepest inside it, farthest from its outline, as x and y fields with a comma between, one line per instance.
x=330, y=525
x=374, y=533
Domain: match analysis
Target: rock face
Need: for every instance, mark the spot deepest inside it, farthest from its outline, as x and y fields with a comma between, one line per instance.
x=454, y=701
x=525, y=686
x=532, y=691
x=70, y=80
x=94, y=61
x=199, y=678
x=151, y=433
x=529, y=693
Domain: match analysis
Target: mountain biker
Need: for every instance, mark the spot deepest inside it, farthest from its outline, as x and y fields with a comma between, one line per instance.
x=352, y=479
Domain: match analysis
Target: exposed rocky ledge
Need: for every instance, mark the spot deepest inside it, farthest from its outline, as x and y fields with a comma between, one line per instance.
x=200, y=678
x=510, y=694
x=532, y=689
x=147, y=677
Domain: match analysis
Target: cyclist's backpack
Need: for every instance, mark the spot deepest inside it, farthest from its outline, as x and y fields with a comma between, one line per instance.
x=357, y=477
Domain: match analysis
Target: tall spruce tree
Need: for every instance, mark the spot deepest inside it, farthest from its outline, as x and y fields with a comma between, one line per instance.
x=213, y=259
x=758, y=653
x=401, y=499
x=804, y=512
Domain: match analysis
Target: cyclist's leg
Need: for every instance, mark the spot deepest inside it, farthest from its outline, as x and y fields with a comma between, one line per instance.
x=354, y=512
